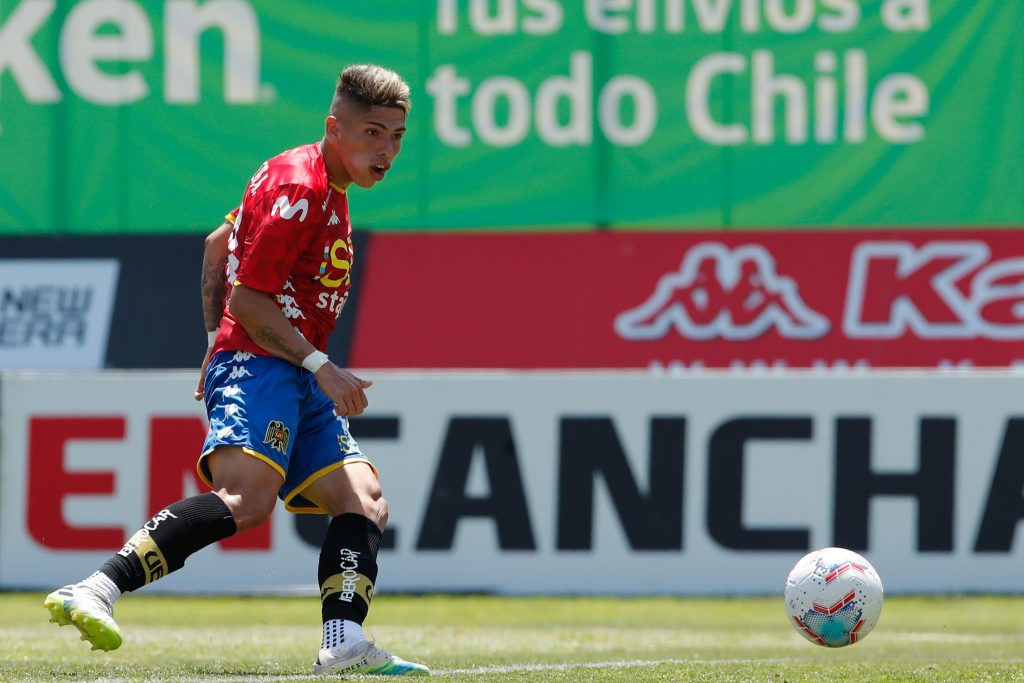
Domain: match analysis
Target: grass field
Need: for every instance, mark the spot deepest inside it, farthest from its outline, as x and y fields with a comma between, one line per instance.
x=471, y=638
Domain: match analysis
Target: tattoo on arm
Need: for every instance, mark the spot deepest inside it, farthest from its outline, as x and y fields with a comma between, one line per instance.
x=214, y=288
x=271, y=340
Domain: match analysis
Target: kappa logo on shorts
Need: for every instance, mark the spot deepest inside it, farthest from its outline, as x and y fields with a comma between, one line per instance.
x=238, y=372
x=277, y=436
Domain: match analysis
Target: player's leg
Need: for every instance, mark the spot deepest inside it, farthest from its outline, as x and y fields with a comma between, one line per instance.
x=329, y=474
x=245, y=490
x=347, y=572
x=245, y=483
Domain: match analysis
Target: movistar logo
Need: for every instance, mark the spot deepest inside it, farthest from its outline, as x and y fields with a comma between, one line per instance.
x=287, y=210
x=100, y=64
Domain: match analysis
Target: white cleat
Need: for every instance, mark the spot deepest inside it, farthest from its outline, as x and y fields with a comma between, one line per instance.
x=86, y=610
x=363, y=657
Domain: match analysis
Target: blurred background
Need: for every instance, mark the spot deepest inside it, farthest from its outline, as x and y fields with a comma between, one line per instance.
x=659, y=295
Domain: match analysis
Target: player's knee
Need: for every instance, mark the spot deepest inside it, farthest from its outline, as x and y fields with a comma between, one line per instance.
x=377, y=510
x=248, y=511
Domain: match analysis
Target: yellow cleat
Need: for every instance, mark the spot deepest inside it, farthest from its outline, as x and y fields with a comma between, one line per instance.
x=82, y=608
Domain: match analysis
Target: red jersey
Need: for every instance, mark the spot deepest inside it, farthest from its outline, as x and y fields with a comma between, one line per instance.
x=292, y=239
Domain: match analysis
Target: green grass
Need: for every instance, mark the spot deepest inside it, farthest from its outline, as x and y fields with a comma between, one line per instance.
x=470, y=638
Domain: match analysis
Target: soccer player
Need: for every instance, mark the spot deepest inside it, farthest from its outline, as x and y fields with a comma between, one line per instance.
x=278, y=408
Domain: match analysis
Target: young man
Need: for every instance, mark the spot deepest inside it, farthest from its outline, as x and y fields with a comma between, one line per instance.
x=277, y=406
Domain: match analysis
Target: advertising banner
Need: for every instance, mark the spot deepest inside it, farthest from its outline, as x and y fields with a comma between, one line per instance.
x=556, y=483
x=527, y=113
x=690, y=301
x=157, y=318
x=55, y=313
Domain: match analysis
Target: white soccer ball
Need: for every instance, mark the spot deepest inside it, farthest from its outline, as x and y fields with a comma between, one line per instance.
x=833, y=597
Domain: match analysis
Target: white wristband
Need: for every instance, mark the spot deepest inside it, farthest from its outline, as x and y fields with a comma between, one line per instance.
x=315, y=361
x=211, y=337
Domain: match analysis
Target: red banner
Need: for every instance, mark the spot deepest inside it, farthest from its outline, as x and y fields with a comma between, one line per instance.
x=693, y=300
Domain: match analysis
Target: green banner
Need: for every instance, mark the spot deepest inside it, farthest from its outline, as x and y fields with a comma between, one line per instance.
x=150, y=116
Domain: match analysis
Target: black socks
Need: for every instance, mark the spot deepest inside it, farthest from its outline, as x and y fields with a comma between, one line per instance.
x=348, y=567
x=164, y=542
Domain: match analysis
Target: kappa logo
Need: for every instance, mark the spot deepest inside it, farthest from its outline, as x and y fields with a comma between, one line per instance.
x=723, y=293
x=287, y=210
x=289, y=306
x=333, y=220
x=277, y=436
x=939, y=290
x=239, y=372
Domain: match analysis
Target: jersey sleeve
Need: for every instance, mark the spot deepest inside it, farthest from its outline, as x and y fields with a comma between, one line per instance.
x=282, y=226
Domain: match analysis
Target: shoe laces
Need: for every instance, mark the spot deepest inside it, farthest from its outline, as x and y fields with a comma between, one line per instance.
x=87, y=593
x=365, y=650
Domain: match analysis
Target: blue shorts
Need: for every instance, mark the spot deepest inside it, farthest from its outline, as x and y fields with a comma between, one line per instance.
x=276, y=412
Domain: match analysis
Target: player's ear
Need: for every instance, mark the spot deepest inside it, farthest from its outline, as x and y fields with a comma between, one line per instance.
x=331, y=126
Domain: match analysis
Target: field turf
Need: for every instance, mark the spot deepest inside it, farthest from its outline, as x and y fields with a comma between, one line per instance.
x=473, y=638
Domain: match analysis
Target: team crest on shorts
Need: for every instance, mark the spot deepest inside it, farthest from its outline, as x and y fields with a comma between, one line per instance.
x=277, y=436
x=347, y=444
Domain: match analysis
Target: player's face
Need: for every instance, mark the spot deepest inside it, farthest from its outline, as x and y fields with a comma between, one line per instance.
x=364, y=144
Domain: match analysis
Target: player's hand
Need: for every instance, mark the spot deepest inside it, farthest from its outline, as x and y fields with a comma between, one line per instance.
x=344, y=388
x=201, y=385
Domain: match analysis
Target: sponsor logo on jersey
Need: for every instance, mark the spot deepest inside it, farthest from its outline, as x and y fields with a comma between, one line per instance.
x=337, y=264
x=723, y=293
x=284, y=207
x=277, y=436
x=257, y=180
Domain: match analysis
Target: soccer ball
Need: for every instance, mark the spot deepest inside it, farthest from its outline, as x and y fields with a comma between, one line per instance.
x=833, y=597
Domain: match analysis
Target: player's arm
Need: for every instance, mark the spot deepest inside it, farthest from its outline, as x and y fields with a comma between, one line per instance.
x=266, y=324
x=213, y=285
x=213, y=282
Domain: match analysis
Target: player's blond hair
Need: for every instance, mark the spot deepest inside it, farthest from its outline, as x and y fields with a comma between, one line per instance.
x=369, y=85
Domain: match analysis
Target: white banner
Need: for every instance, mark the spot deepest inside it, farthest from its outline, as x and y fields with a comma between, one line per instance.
x=55, y=313
x=557, y=483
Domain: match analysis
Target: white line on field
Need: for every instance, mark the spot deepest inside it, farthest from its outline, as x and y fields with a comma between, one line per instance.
x=476, y=671
x=523, y=668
